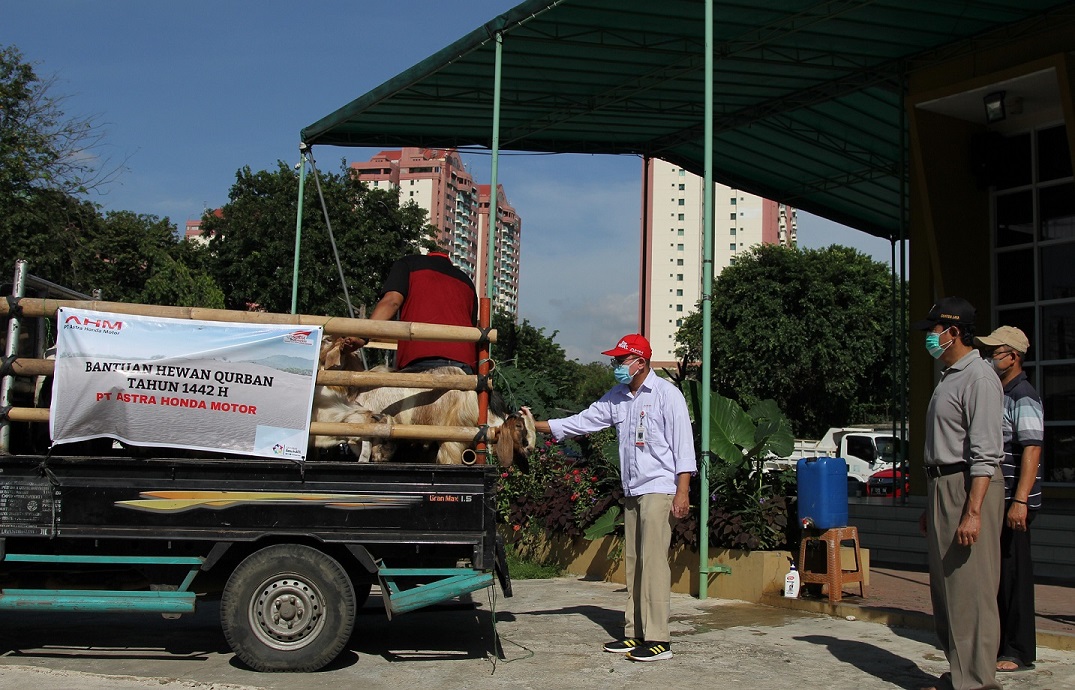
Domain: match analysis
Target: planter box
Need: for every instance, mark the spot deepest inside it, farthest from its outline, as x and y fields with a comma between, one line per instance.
x=754, y=574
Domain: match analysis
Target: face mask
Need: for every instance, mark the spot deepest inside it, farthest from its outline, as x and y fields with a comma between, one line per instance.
x=934, y=347
x=622, y=372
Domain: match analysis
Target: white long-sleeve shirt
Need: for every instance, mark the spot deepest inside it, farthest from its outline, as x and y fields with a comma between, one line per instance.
x=654, y=430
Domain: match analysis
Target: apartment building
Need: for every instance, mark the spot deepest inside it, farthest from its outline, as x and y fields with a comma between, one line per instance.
x=438, y=181
x=672, y=234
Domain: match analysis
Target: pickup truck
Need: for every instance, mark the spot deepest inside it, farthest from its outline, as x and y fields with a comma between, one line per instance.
x=867, y=450
x=291, y=548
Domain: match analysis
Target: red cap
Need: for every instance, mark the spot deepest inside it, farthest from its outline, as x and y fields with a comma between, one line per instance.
x=633, y=344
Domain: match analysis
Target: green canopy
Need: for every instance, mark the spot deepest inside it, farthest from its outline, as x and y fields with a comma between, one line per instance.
x=807, y=93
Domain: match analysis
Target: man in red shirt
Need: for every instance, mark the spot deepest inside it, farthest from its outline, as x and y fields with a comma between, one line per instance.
x=430, y=289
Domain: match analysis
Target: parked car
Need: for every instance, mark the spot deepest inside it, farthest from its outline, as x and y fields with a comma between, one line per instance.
x=883, y=482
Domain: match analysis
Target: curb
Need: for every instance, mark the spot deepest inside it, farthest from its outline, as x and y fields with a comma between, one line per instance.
x=896, y=618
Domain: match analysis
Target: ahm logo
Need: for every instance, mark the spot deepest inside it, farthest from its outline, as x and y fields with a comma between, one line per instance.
x=102, y=324
x=301, y=337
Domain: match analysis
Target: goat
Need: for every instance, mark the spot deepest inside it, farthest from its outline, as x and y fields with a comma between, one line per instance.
x=337, y=403
x=516, y=437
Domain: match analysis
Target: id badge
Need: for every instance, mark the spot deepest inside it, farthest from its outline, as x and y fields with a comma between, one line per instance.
x=640, y=432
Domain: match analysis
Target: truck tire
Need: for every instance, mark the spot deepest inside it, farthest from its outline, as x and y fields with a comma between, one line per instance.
x=288, y=607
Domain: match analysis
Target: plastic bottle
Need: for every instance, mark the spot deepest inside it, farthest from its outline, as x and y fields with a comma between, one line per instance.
x=791, y=583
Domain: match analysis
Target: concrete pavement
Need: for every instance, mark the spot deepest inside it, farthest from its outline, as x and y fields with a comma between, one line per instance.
x=551, y=633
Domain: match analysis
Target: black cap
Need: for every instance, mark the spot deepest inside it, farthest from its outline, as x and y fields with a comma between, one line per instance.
x=952, y=310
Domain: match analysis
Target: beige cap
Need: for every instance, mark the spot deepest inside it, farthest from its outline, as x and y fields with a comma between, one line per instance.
x=1006, y=335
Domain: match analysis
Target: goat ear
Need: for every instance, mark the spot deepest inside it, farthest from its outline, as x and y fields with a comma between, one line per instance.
x=505, y=443
x=333, y=357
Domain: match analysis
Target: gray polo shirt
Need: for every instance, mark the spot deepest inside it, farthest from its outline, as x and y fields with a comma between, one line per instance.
x=965, y=419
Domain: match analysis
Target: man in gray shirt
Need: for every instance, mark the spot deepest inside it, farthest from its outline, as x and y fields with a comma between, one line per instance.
x=965, y=497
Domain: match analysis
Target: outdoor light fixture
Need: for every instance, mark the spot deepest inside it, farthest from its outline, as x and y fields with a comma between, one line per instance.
x=994, y=107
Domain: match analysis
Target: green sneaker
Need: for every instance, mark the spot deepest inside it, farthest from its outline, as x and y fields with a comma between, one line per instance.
x=651, y=651
x=623, y=646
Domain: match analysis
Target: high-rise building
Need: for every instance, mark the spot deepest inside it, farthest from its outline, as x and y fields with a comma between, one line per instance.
x=438, y=181
x=507, y=242
x=672, y=234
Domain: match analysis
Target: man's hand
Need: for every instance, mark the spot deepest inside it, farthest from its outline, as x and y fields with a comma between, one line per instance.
x=1017, y=517
x=969, y=527
x=681, y=505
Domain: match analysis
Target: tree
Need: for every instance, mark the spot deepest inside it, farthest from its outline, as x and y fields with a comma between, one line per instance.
x=252, y=241
x=810, y=329
x=41, y=147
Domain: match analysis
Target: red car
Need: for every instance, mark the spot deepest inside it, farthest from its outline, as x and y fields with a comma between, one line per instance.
x=883, y=482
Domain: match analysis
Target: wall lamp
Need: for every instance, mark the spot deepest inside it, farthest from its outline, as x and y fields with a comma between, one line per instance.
x=994, y=107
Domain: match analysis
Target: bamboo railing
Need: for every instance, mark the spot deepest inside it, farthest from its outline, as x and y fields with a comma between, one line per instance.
x=333, y=325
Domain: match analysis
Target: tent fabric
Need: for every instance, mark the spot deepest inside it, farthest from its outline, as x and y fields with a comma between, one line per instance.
x=807, y=93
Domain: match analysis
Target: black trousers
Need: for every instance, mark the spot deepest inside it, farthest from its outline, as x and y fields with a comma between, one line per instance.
x=1015, y=597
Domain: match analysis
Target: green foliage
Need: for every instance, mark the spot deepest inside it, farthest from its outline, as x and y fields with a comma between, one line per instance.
x=41, y=147
x=253, y=241
x=532, y=369
x=566, y=490
x=749, y=508
x=522, y=568
x=807, y=328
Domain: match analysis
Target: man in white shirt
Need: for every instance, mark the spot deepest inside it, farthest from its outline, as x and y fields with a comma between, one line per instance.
x=657, y=460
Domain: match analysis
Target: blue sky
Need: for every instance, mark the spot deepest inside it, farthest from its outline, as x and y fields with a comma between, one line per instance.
x=188, y=93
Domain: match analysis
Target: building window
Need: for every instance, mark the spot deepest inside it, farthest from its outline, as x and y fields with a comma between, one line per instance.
x=679, y=292
x=679, y=277
x=679, y=322
x=682, y=202
x=680, y=217
x=733, y=201
x=1033, y=250
x=682, y=186
x=732, y=215
x=679, y=247
x=680, y=232
x=732, y=246
x=679, y=307
x=679, y=262
x=731, y=231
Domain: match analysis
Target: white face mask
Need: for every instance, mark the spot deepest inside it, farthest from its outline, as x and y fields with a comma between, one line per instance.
x=998, y=363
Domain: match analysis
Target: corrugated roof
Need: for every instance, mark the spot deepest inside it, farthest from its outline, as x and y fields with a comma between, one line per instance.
x=807, y=93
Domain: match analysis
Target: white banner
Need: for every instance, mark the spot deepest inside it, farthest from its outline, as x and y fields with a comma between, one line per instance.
x=177, y=383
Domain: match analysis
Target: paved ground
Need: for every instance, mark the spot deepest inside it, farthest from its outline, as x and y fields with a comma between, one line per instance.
x=551, y=633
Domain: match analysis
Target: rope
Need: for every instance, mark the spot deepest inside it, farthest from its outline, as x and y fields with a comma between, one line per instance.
x=331, y=236
x=499, y=639
x=7, y=365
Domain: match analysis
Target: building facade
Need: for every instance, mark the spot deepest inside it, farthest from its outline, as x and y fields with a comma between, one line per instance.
x=672, y=235
x=438, y=181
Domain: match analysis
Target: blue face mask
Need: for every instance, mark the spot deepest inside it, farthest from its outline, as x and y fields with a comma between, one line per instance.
x=622, y=372
x=934, y=347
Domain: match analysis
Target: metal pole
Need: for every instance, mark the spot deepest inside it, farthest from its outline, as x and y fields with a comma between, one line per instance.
x=903, y=269
x=494, y=198
x=298, y=230
x=707, y=312
x=11, y=349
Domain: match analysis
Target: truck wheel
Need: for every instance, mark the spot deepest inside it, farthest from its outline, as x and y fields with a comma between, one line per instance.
x=288, y=607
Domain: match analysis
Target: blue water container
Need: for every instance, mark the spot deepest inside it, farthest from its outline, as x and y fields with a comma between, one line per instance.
x=822, y=492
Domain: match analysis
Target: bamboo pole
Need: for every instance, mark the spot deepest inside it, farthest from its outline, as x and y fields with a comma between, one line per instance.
x=333, y=325
x=363, y=379
x=414, y=432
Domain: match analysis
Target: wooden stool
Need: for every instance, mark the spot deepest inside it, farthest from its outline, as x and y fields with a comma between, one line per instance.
x=834, y=576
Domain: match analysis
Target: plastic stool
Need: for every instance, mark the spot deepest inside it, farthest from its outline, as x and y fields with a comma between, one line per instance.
x=834, y=576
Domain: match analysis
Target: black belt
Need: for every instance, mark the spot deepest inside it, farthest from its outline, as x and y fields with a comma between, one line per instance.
x=945, y=470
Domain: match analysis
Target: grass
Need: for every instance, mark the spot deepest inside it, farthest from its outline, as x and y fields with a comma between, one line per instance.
x=522, y=569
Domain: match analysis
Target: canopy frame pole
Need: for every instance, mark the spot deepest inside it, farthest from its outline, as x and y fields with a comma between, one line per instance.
x=298, y=229
x=485, y=306
x=707, y=314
